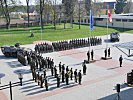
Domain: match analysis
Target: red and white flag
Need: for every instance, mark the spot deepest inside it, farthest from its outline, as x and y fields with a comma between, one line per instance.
x=109, y=15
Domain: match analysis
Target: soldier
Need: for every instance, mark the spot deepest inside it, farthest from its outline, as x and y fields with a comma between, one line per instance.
x=71, y=74
x=63, y=67
x=38, y=78
x=79, y=77
x=44, y=73
x=67, y=78
x=75, y=75
x=108, y=52
x=52, y=70
x=60, y=67
x=105, y=51
x=84, y=68
x=88, y=55
x=63, y=75
x=46, y=84
x=67, y=69
x=55, y=71
x=120, y=60
x=92, y=54
x=58, y=80
x=41, y=81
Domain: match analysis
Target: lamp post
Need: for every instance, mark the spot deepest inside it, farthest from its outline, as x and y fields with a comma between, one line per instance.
x=20, y=76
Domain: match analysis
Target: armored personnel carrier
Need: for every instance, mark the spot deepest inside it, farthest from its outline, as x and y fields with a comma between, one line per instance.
x=10, y=51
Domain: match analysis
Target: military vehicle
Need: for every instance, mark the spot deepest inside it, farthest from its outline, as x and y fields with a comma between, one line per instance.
x=115, y=36
x=10, y=51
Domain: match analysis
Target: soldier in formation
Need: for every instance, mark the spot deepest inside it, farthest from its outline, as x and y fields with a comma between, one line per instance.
x=66, y=45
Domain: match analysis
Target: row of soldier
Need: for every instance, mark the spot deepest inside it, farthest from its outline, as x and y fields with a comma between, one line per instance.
x=65, y=45
x=43, y=48
x=40, y=64
x=63, y=73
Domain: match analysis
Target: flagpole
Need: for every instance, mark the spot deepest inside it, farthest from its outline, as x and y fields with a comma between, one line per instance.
x=89, y=41
x=107, y=28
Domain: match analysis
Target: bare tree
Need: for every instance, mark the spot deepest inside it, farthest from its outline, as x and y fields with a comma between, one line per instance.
x=6, y=10
x=128, y=6
x=28, y=9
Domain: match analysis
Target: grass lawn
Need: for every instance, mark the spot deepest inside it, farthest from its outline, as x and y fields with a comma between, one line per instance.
x=21, y=35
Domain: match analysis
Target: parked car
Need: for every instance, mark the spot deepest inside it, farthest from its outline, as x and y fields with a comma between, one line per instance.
x=115, y=36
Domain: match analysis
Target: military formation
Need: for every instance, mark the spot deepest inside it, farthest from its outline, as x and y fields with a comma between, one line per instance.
x=40, y=67
x=66, y=45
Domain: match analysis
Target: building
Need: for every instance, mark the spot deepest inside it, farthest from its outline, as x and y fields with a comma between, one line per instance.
x=118, y=20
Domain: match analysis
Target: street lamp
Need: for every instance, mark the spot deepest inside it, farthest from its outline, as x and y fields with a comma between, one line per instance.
x=20, y=76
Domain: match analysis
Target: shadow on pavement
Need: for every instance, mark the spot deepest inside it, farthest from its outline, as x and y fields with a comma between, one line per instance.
x=14, y=64
x=124, y=95
x=113, y=68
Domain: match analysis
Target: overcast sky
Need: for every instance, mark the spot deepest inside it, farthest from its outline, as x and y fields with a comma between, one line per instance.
x=32, y=1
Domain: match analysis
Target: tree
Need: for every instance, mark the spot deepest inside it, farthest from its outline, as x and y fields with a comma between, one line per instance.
x=119, y=7
x=41, y=12
x=128, y=6
x=28, y=8
x=6, y=6
x=69, y=9
x=88, y=6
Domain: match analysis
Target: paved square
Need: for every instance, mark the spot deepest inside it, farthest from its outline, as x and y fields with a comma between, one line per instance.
x=99, y=83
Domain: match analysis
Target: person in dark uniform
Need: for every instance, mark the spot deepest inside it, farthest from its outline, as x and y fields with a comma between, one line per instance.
x=46, y=84
x=84, y=68
x=58, y=80
x=52, y=70
x=63, y=72
x=79, y=77
x=41, y=81
x=92, y=54
x=105, y=52
x=108, y=52
x=120, y=60
x=38, y=78
x=71, y=73
x=75, y=75
x=67, y=78
x=44, y=73
x=67, y=69
x=88, y=55
x=63, y=67
x=55, y=71
x=60, y=67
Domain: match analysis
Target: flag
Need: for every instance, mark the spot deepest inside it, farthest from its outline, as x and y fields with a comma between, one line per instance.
x=91, y=21
x=109, y=15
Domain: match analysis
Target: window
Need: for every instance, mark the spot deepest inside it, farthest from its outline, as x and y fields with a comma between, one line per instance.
x=85, y=20
x=130, y=20
x=118, y=20
x=99, y=19
x=124, y=20
x=88, y=21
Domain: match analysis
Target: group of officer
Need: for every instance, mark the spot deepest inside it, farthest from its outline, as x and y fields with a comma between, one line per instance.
x=90, y=55
x=65, y=45
x=107, y=53
x=40, y=66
